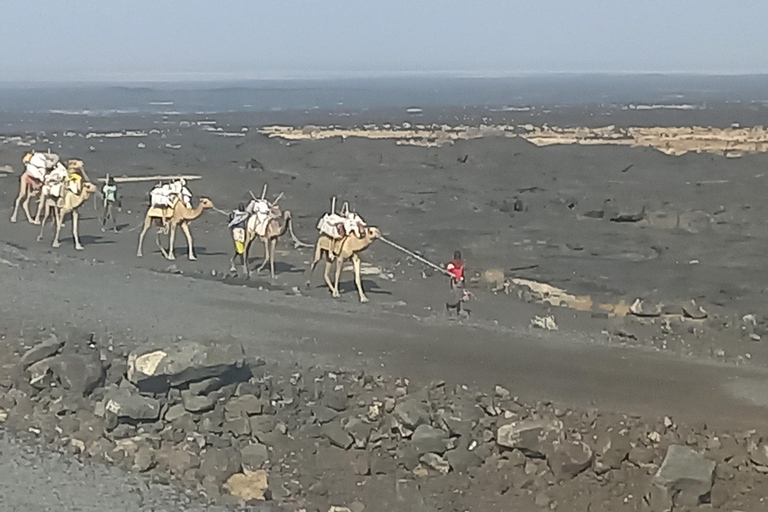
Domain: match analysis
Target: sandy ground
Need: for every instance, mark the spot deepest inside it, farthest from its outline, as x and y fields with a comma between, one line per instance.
x=433, y=200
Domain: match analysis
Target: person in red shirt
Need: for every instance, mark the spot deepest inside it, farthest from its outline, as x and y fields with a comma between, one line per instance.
x=455, y=268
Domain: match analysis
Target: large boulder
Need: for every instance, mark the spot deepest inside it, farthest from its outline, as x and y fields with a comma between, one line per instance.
x=157, y=369
x=532, y=437
x=687, y=475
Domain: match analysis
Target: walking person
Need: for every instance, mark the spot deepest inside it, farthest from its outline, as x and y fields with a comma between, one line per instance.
x=109, y=194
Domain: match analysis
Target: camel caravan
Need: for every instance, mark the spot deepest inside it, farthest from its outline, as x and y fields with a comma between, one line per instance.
x=62, y=190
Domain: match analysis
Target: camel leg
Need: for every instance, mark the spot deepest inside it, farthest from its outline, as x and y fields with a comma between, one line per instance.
x=327, y=277
x=75, y=230
x=190, y=243
x=58, y=218
x=339, y=265
x=159, y=243
x=315, y=260
x=171, y=244
x=147, y=223
x=356, y=264
x=272, y=258
x=41, y=205
x=42, y=225
x=25, y=206
x=23, y=194
x=246, y=253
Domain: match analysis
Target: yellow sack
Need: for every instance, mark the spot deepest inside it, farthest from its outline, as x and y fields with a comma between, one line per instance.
x=239, y=247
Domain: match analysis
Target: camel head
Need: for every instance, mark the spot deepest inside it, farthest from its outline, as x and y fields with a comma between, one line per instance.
x=75, y=164
x=206, y=203
x=372, y=232
x=27, y=157
x=89, y=187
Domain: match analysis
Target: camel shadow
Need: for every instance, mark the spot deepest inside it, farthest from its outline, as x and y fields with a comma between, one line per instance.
x=92, y=240
x=368, y=285
x=203, y=250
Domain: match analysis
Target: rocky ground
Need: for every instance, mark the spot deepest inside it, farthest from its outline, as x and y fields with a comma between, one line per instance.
x=566, y=393
x=221, y=427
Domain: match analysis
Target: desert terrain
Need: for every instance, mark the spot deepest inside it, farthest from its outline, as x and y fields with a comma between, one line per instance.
x=618, y=291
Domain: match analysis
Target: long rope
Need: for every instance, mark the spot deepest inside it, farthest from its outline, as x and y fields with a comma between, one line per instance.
x=414, y=255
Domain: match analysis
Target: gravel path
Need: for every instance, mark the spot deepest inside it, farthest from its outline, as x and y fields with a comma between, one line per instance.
x=35, y=480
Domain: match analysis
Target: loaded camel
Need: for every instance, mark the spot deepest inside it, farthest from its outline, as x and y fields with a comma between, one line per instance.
x=272, y=232
x=168, y=220
x=75, y=171
x=338, y=250
x=68, y=203
x=29, y=187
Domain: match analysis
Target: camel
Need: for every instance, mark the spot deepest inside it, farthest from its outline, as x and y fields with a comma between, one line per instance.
x=69, y=202
x=272, y=232
x=339, y=250
x=29, y=187
x=74, y=166
x=168, y=219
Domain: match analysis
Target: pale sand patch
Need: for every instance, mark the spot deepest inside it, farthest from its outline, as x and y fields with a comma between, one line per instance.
x=730, y=142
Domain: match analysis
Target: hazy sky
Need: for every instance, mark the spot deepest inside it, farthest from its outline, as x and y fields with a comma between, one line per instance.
x=163, y=39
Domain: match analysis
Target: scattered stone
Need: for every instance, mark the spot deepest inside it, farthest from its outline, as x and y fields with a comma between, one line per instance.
x=249, y=486
x=426, y=439
x=337, y=435
x=411, y=413
x=694, y=311
x=248, y=405
x=569, y=458
x=323, y=414
x=532, y=437
x=175, y=412
x=361, y=464
x=144, y=460
x=238, y=427
x=41, y=351
x=125, y=404
x=612, y=451
x=78, y=373
x=336, y=399
x=220, y=463
x=254, y=456
x=197, y=403
x=640, y=308
x=544, y=322
x=687, y=475
x=436, y=462
x=461, y=460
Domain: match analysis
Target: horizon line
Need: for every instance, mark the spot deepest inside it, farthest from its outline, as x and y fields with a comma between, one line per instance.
x=198, y=77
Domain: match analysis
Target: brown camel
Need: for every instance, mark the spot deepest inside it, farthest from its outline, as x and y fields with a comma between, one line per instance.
x=69, y=202
x=272, y=232
x=339, y=250
x=29, y=187
x=75, y=166
x=168, y=219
